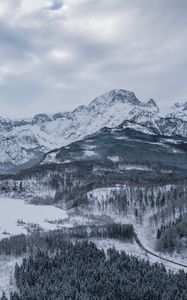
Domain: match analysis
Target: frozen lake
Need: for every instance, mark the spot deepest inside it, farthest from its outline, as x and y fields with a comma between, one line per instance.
x=12, y=210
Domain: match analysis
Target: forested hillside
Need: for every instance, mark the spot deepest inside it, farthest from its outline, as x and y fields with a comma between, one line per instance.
x=173, y=235
x=81, y=271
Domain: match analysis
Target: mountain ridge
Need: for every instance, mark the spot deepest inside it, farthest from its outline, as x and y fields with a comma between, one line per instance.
x=28, y=139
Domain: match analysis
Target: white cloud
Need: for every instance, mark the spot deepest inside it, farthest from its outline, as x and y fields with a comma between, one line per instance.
x=8, y=8
x=64, y=53
x=61, y=55
x=27, y=7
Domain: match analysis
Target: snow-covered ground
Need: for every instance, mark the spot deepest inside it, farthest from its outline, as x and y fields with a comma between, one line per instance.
x=12, y=210
x=146, y=233
x=7, y=281
x=134, y=249
x=136, y=167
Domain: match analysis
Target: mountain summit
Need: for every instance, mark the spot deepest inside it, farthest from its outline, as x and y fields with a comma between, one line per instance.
x=116, y=96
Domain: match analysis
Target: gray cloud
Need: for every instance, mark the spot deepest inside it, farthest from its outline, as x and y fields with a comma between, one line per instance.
x=56, y=55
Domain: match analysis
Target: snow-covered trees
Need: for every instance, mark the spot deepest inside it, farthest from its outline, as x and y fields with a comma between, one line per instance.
x=173, y=236
x=81, y=271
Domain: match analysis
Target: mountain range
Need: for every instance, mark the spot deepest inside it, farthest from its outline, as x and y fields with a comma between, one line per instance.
x=26, y=141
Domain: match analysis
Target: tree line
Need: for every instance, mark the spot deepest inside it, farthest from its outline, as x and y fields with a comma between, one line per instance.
x=20, y=244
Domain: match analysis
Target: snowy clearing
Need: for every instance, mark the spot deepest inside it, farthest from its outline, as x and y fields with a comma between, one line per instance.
x=13, y=210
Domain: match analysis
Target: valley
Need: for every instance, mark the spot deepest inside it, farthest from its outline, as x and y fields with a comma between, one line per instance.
x=113, y=173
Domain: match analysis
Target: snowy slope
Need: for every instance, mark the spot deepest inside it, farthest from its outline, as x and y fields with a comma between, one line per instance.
x=27, y=139
x=129, y=142
x=178, y=110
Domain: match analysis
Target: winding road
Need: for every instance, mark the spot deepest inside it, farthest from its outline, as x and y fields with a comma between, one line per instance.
x=153, y=254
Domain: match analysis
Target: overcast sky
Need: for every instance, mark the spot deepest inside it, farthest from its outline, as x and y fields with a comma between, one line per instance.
x=56, y=55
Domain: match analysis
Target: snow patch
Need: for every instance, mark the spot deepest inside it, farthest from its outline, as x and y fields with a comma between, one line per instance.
x=114, y=158
x=89, y=153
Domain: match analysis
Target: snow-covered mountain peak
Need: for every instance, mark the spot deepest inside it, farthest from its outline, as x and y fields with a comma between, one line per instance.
x=41, y=118
x=178, y=110
x=152, y=105
x=182, y=106
x=115, y=96
x=5, y=124
x=26, y=139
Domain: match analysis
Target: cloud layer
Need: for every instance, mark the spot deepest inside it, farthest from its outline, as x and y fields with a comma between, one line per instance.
x=55, y=55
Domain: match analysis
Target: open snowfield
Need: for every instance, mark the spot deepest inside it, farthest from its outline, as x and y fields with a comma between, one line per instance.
x=12, y=210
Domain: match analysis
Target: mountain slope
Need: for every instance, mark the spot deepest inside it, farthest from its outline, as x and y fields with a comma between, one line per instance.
x=23, y=141
x=127, y=143
x=107, y=158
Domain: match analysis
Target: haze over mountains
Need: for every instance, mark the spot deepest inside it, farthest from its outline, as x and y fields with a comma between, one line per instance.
x=25, y=140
